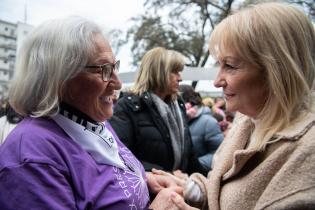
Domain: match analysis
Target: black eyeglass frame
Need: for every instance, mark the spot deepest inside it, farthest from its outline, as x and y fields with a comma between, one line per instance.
x=106, y=72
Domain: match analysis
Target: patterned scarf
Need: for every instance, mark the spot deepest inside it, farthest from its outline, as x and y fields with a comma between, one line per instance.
x=93, y=137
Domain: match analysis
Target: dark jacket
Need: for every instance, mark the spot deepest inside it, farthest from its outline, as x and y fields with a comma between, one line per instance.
x=139, y=125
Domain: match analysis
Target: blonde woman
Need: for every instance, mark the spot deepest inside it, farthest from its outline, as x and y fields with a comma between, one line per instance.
x=266, y=55
x=150, y=119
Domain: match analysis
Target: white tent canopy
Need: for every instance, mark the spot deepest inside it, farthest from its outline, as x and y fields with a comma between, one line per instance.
x=204, y=76
x=189, y=73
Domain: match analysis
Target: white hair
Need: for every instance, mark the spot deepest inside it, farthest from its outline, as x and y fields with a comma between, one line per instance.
x=54, y=52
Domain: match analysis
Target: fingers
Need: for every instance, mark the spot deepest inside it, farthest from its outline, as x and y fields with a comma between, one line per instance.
x=163, y=200
x=159, y=172
x=158, y=182
x=180, y=174
x=153, y=183
x=178, y=190
x=180, y=203
x=171, y=179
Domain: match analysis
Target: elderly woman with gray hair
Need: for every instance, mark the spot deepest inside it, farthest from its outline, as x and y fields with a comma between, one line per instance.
x=64, y=154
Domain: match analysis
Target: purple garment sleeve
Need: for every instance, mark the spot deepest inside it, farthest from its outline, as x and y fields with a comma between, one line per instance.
x=35, y=186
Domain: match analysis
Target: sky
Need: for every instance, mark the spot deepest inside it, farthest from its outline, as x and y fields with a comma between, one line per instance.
x=110, y=14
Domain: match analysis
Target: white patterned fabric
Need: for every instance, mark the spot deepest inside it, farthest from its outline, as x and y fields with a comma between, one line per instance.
x=96, y=139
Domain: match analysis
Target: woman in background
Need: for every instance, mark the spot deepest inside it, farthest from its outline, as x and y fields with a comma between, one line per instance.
x=151, y=118
x=205, y=131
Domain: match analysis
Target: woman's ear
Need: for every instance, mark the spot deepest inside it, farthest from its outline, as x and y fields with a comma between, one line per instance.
x=66, y=92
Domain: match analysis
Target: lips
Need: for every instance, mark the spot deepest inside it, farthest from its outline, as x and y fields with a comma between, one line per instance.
x=106, y=99
x=228, y=95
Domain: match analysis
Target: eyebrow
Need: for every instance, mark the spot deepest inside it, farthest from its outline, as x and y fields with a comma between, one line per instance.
x=105, y=59
x=229, y=57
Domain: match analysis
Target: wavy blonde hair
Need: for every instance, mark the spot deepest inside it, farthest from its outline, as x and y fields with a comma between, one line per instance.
x=280, y=40
x=154, y=72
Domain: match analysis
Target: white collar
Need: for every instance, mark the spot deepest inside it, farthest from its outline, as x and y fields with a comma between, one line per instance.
x=99, y=143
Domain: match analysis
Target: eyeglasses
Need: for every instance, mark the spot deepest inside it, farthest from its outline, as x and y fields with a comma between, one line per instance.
x=107, y=69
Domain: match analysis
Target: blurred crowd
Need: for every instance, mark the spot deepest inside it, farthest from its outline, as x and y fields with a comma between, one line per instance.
x=8, y=119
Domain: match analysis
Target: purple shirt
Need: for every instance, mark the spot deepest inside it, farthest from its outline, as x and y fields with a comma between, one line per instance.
x=41, y=167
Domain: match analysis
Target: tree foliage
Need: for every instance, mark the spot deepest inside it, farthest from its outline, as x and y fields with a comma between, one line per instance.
x=185, y=25
x=307, y=5
x=182, y=25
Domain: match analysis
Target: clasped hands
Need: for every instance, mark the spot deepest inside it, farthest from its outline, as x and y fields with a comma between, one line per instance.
x=169, y=189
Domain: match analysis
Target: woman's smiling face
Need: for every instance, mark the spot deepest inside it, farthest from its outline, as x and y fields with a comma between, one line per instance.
x=88, y=92
x=243, y=84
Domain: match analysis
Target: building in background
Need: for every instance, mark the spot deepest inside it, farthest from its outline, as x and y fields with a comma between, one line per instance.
x=11, y=37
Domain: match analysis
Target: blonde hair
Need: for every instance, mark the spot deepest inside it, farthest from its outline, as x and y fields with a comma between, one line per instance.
x=154, y=73
x=54, y=52
x=209, y=102
x=279, y=39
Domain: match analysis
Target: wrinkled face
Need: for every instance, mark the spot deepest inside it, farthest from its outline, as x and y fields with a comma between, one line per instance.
x=243, y=85
x=175, y=78
x=88, y=92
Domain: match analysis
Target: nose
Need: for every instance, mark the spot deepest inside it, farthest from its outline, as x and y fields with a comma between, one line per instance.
x=179, y=77
x=220, y=80
x=115, y=82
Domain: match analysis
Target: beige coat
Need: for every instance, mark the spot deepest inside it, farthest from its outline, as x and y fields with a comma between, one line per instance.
x=281, y=177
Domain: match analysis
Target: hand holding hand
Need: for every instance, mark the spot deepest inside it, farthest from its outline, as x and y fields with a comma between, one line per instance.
x=180, y=203
x=180, y=174
x=163, y=200
x=157, y=182
x=179, y=178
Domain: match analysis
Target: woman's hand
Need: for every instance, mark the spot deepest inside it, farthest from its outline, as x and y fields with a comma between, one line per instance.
x=157, y=182
x=169, y=199
x=178, y=178
x=180, y=203
x=180, y=174
x=163, y=200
